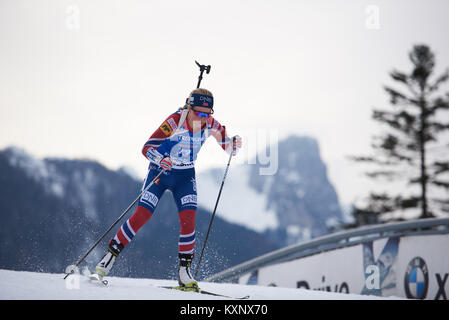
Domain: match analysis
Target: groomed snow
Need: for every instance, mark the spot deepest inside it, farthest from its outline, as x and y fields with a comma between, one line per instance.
x=21, y=285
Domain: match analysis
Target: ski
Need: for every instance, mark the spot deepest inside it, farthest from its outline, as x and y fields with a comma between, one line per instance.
x=201, y=291
x=95, y=278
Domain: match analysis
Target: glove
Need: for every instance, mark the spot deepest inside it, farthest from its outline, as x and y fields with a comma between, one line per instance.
x=165, y=163
x=234, y=145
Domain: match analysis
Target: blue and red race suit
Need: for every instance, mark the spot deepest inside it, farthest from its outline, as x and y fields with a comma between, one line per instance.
x=178, y=141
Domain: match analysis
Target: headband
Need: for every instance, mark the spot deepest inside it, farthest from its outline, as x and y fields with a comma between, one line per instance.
x=201, y=100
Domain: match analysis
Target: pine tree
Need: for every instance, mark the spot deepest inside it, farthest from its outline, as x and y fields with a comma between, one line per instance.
x=411, y=149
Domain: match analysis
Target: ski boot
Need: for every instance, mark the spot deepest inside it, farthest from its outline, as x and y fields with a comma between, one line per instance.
x=106, y=263
x=185, y=279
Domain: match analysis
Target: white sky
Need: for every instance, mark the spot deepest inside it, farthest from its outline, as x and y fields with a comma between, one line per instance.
x=93, y=79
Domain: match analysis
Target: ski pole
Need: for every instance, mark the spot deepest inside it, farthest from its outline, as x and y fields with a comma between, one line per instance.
x=116, y=221
x=213, y=215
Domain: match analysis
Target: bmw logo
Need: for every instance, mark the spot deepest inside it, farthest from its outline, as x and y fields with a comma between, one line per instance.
x=416, y=280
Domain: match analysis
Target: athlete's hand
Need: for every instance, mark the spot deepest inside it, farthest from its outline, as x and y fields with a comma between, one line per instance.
x=236, y=143
x=166, y=163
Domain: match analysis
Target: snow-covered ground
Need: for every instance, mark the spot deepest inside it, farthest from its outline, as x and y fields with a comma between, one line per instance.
x=21, y=285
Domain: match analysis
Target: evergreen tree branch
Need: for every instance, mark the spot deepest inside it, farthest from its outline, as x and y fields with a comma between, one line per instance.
x=440, y=167
x=440, y=183
x=443, y=204
x=441, y=79
x=391, y=147
x=405, y=79
x=402, y=121
x=439, y=103
x=398, y=98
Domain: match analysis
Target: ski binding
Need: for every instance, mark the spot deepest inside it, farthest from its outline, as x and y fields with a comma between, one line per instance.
x=95, y=278
x=201, y=291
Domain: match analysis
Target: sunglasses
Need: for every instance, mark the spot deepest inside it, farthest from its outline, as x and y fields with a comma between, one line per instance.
x=203, y=114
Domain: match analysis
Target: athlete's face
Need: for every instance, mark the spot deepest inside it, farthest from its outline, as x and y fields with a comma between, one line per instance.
x=199, y=113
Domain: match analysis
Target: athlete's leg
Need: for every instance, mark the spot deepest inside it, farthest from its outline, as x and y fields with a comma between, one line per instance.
x=185, y=197
x=146, y=205
x=145, y=208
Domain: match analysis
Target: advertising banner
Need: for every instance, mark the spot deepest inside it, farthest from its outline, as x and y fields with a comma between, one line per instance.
x=414, y=267
x=424, y=267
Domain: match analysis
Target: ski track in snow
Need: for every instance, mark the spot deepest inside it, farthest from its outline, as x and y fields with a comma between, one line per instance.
x=23, y=285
